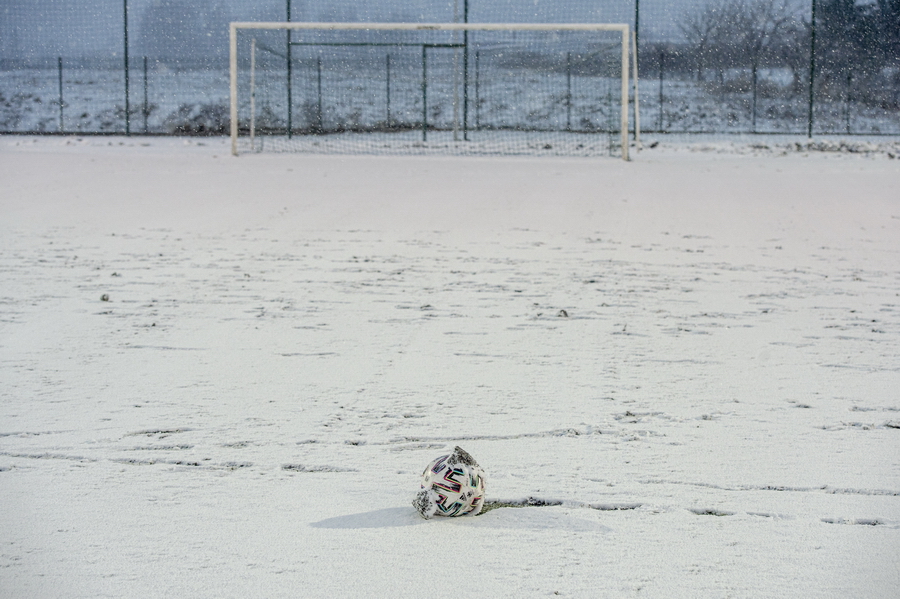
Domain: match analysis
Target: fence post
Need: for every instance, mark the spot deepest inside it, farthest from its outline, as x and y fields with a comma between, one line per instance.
x=320, y=122
x=233, y=85
x=637, y=29
x=637, y=99
x=637, y=44
x=60, y=73
x=568, y=91
x=662, y=66
x=387, y=93
x=610, y=121
x=812, y=68
x=754, y=74
x=424, y=92
x=127, y=105
x=290, y=112
x=623, y=127
x=146, y=110
x=847, y=101
x=477, y=90
x=252, y=94
x=466, y=72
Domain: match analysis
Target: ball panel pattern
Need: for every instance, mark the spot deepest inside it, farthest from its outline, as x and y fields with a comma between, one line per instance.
x=452, y=485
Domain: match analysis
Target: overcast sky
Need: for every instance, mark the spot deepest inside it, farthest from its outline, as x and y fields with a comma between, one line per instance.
x=84, y=27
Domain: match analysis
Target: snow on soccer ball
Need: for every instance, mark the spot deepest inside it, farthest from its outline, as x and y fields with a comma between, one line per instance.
x=452, y=485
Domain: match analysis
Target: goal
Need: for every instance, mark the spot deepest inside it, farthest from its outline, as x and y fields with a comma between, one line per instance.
x=430, y=88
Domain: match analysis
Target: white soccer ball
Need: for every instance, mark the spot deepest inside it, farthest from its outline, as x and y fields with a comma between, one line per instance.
x=452, y=485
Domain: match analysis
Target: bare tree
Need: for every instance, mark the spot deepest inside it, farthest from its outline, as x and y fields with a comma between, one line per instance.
x=702, y=28
x=748, y=32
x=793, y=53
x=757, y=26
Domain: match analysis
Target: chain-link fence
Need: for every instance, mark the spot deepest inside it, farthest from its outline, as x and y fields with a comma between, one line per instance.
x=707, y=66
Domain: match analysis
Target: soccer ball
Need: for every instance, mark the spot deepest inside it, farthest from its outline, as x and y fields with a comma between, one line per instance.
x=452, y=485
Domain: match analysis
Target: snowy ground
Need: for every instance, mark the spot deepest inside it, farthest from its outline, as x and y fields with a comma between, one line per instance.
x=287, y=341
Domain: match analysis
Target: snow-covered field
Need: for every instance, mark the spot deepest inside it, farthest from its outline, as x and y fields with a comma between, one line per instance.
x=221, y=377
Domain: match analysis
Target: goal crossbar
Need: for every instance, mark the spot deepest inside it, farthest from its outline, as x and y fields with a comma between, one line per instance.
x=623, y=28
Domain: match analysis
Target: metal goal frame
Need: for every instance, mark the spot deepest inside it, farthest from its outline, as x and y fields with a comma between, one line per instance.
x=623, y=28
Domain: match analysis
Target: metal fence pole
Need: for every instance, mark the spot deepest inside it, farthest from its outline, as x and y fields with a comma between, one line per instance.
x=146, y=109
x=387, y=93
x=233, y=86
x=637, y=29
x=290, y=112
x=610, y=121
x=636, y=42
x=847, y=101
x=424, y=93
x=754, y=74
x=568, y=91
x=477, y=90
x=637, y=99
x=60, y=73
x=466, y=72
x=127, y=105
x=320, y=121
x=662, y=66
x=252, y=94
x=623, y=126
x=812, y=69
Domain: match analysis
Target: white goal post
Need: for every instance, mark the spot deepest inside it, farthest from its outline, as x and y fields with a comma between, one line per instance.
x=624, y=29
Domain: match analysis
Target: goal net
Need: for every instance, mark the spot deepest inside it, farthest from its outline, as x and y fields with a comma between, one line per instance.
x=413, y=88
